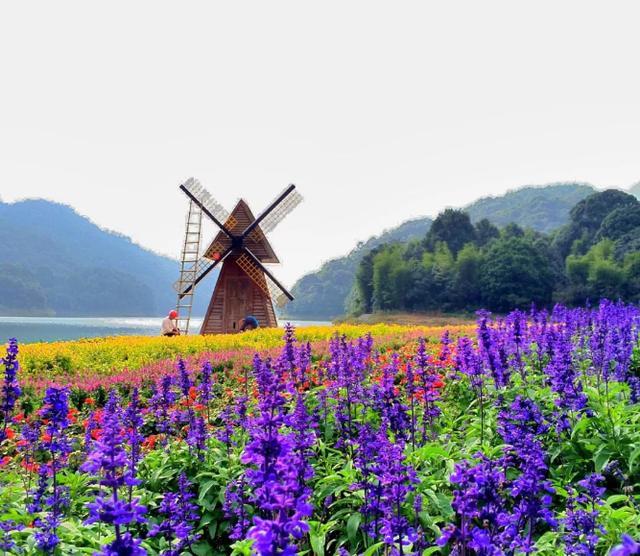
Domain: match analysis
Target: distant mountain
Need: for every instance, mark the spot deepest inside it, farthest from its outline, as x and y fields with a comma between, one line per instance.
x=55, y=262
x=323, y=294
x=635, y=190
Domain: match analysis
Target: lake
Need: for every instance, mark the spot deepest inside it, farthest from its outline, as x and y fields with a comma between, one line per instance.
x=50, y=329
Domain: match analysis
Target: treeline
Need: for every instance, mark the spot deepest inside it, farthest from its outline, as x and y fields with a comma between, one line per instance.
x=459, y=266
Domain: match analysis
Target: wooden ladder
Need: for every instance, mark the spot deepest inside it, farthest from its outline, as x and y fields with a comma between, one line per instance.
x=189, y=266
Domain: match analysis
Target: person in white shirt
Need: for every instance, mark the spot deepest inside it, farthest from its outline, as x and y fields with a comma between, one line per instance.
x=170, y=325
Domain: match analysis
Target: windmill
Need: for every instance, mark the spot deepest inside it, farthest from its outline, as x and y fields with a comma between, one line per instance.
x=245, y=286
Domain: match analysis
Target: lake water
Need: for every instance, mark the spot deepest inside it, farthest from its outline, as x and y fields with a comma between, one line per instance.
x=50, y=329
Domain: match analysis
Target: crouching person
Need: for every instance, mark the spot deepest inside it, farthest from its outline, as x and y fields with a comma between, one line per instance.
x=170, y=325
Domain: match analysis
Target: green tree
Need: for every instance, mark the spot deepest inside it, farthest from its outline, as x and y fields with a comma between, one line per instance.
x=452, y=227
x=619, y=222
x=466, y=288
x=586, y=218
x=514, y=273
x=364, y=280
x=390, y=279
x=486, y=232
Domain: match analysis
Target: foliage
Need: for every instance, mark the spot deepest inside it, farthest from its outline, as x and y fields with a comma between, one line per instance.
x=323, y=294
x=452, y=227
x=510, y=268
x=513, y=270
x=587, y=218
x=515, y=273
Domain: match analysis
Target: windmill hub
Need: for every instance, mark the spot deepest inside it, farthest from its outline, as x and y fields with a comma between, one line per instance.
x=245, y=286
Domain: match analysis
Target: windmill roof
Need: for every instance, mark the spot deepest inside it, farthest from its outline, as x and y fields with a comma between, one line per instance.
x=241, y=217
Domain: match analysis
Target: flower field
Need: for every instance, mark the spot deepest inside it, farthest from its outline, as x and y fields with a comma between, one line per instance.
x=517, y=436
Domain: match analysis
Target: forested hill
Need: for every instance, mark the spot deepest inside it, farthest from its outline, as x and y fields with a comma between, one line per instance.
x=55, y=262
x=543, y=209
x=323, y=294
x=635, y=190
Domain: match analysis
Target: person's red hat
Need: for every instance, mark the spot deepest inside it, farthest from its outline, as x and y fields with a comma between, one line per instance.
x=173, y=314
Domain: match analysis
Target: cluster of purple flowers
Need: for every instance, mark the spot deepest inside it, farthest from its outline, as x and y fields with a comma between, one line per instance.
x=387, y=482
x=109, y=462
x=180, y=514
x=10, y=387
x=502, y=503
x=50, y=498
x=272, y=484
x=581, y=529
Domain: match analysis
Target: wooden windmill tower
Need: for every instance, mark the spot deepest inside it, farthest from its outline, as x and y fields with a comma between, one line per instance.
x=245, y=286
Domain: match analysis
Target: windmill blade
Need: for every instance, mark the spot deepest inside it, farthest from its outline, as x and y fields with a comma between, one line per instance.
x=198, y=271
x=263, y=279
x=275, y=213
x=209, y=205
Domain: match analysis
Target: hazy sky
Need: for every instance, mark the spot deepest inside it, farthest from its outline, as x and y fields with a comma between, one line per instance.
x=377, y=111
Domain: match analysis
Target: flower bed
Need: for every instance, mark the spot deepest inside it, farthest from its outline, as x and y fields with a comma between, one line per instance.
x=519, y=438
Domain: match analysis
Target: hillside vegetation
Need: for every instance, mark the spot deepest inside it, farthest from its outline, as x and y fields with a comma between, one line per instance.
x=55, y=262
x=458, y=266
x=325, y=293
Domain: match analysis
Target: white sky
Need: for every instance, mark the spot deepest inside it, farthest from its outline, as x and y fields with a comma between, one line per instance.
x=377, y=111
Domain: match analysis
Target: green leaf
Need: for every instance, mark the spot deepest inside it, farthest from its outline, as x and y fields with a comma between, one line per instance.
x=353, y=524
x=373, y=549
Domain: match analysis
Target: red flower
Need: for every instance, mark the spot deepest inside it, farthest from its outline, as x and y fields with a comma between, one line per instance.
x=150, y=441
x=5, y=461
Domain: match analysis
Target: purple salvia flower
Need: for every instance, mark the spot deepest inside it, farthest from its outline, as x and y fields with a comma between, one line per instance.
x=581, y=529
x=180, y=515
x=108, y=461
x=628, y=547
x=10, y=387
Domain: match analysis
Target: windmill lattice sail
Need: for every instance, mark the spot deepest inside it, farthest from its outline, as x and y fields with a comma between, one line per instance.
x=194, y=187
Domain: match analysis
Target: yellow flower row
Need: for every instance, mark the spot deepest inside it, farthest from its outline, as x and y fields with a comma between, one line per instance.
x=105, y=355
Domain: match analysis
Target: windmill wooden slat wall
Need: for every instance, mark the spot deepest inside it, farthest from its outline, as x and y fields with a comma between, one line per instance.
x=236, y=295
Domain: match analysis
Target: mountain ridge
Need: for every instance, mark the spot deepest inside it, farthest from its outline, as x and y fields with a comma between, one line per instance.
x=58, y=262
